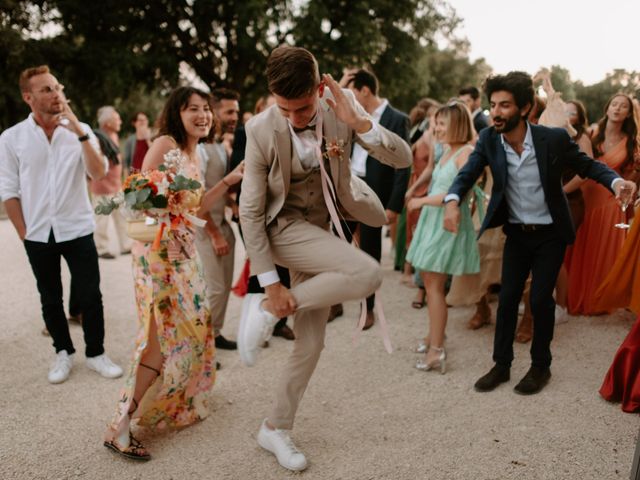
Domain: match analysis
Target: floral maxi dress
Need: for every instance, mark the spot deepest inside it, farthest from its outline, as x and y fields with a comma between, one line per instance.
x=172, y=293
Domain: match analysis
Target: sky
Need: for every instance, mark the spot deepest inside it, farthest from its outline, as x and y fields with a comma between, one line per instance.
x=588, y=38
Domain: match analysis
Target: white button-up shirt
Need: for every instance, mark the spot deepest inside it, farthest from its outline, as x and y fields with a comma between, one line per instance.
x=49, y=179
x=359, y=155
x=524, y=193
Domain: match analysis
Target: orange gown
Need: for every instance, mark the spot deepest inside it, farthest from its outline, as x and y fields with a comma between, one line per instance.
x=621, y=287
x=598, y=241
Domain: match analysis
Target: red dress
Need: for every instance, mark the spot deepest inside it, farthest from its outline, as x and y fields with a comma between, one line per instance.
x=622, y=382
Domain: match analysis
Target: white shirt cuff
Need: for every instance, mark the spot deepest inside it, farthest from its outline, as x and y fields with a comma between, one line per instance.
x=615, y=180
x=372, y=137
x=451, y=196
x=268, y=278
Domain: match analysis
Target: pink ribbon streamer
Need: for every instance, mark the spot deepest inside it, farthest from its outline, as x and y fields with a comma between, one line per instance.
x=331, y=200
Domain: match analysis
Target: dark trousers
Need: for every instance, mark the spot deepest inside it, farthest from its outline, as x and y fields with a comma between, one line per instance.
x=82, y=258
x=540, y=252
x=370, y=243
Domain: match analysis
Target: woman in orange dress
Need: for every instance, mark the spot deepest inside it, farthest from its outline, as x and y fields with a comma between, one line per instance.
x=598, y=241
x=621, y=289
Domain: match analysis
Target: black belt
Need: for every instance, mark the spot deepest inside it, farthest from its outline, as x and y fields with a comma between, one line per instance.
x=532, y=227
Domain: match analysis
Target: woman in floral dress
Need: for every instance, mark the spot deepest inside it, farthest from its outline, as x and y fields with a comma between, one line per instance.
x=173, y=367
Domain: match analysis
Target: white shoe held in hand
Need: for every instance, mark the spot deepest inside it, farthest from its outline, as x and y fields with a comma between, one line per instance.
x=562, y=316
x=280, y=444
x=104, y=366
x=256, y=326
x=61, y=367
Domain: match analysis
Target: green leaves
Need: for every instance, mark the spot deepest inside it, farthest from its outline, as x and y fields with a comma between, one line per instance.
x=105, y=207
x=180, y=182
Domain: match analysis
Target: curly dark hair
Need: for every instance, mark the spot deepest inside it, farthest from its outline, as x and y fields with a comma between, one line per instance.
x=519, y=84
x=170, y=123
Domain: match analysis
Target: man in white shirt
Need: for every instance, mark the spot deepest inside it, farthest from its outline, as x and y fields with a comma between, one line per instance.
x=44, y=162
x=297, y=154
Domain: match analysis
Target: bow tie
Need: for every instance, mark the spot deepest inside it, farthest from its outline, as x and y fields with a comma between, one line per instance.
x=300, y=130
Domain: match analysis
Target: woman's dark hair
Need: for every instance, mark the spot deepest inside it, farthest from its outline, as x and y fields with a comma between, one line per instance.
x=629, y=128
x=170, y=123
x=519, y=84
x=582, y=124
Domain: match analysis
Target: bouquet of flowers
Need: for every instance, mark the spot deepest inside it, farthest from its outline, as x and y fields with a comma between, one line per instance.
x=165, y=197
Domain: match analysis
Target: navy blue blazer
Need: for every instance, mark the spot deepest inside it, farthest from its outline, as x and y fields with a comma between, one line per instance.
x=390, y=184
x=555, y=151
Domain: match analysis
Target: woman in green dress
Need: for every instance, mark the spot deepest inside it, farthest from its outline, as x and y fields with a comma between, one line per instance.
x=435, y=252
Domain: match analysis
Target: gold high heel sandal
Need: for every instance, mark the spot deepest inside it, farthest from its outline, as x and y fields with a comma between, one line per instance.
x=425, y=366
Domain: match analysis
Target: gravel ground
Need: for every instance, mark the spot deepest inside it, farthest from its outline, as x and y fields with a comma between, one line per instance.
x=365, y=415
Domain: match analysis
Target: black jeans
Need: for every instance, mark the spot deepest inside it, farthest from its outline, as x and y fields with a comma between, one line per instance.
x=540, y=252
x=82, y=258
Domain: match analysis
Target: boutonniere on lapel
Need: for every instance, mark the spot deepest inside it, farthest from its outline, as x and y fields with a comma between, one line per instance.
x=334, y=149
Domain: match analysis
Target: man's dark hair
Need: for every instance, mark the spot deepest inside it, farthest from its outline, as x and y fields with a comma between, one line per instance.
x=519, y=84
x=224, y=94
x=472, y=91
x=292, y=72
x=364, y=78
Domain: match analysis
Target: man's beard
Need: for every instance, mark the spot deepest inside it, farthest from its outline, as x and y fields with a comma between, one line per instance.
x=509, y=123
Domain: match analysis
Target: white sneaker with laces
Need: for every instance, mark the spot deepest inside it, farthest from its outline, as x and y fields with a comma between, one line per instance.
x=280, y=444
x=104, y=366
x=61, y=367
x=256, y=326
x=562, y=316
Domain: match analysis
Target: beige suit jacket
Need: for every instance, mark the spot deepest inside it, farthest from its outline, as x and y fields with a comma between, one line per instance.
x=267, y=175
x=216, y=169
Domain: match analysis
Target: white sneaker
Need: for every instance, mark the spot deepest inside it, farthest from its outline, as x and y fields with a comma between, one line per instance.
x=562, y=316
x=255, y=327
x=104, y=366
x=61, y=367
x=280, y=444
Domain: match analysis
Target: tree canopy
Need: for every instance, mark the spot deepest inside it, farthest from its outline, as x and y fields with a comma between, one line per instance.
x=130, y=53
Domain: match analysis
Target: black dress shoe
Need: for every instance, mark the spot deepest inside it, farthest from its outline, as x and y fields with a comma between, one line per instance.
x=534, y=381
x=284, y=332
x=224, y=344
x=371, y=319
x=218, y=365
x=497, y=375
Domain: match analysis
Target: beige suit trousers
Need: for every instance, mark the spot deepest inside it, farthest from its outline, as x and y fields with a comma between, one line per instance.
x=325, y=270
x=101, y=234
x=218, y=274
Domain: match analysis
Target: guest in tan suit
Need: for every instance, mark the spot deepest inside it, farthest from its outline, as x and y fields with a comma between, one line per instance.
x=216, y=243
x=285, y=217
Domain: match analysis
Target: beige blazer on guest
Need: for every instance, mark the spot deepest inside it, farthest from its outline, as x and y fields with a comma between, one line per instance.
x=216, y=169
x=267, y=175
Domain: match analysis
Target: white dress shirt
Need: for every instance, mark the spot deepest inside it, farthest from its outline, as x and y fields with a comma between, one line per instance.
x=359, y=155
x=306, y=143
x=49, y=179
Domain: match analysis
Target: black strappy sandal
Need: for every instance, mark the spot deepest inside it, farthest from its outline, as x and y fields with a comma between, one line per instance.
x=135, y=450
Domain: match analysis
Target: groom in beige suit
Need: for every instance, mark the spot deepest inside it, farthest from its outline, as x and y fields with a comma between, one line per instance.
x=285, y=217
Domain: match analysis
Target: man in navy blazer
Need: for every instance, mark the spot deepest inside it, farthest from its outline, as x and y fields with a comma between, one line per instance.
x=389, y=183
x=527, y=162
